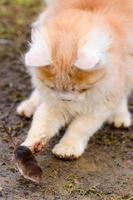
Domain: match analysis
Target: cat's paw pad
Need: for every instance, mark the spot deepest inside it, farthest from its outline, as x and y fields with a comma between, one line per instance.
x=121, y=121
x=67, y=152
x=26, y=108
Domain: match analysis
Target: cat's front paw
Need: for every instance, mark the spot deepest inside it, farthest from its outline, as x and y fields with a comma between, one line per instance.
x=68, y=152
x=121, y=120
x=26, y=108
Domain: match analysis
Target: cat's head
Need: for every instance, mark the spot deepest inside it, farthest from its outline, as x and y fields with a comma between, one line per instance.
x=69, y=57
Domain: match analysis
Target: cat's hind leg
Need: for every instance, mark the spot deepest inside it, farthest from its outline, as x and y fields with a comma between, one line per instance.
x=121, y=117
x=28, y=107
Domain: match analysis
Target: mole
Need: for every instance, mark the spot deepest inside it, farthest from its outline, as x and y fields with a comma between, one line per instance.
x=25, y=161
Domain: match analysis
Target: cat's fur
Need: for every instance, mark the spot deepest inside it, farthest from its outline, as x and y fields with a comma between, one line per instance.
x=81, y=64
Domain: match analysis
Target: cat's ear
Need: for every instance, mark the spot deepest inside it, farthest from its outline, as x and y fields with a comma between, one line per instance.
x=37, y=57
x=92, y=54
x=86, y=61
x=38, y=54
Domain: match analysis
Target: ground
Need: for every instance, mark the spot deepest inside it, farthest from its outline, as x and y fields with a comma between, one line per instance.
x=104, y=172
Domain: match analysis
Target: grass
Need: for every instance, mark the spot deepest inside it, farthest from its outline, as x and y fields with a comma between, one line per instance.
x=26, y=3
x=15, y=16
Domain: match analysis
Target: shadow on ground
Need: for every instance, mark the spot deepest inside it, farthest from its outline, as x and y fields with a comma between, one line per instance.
x=104, y=172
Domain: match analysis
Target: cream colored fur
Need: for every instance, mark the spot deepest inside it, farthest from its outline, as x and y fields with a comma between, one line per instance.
x=86, y=112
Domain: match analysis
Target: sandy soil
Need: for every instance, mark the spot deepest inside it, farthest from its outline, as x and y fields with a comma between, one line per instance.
x=104, y=172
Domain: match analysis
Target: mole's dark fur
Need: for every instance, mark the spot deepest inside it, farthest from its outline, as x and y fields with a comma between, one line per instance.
x=23, y=153
x=27, y=163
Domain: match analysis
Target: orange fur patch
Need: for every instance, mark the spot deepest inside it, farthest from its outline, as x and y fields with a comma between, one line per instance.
x=68, y=27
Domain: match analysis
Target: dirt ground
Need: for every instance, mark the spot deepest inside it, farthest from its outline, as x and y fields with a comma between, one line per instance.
x=104, y=172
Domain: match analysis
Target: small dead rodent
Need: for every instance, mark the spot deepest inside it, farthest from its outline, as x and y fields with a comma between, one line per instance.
x=27, y=164
x=25, y=160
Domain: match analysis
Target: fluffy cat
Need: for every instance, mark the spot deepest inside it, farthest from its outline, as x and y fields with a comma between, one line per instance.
x=81, y=64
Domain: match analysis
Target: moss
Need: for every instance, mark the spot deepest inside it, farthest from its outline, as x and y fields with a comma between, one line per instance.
x=26, y=3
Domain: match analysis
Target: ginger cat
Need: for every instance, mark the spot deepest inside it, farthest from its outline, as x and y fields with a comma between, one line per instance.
x=81, y=64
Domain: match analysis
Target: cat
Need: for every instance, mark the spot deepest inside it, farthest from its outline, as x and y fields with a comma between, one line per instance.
x=81, y=64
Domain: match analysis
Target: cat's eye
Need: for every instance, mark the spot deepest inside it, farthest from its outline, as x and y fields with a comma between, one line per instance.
x=73, y=89
x=83, y=90
x=50, y=86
